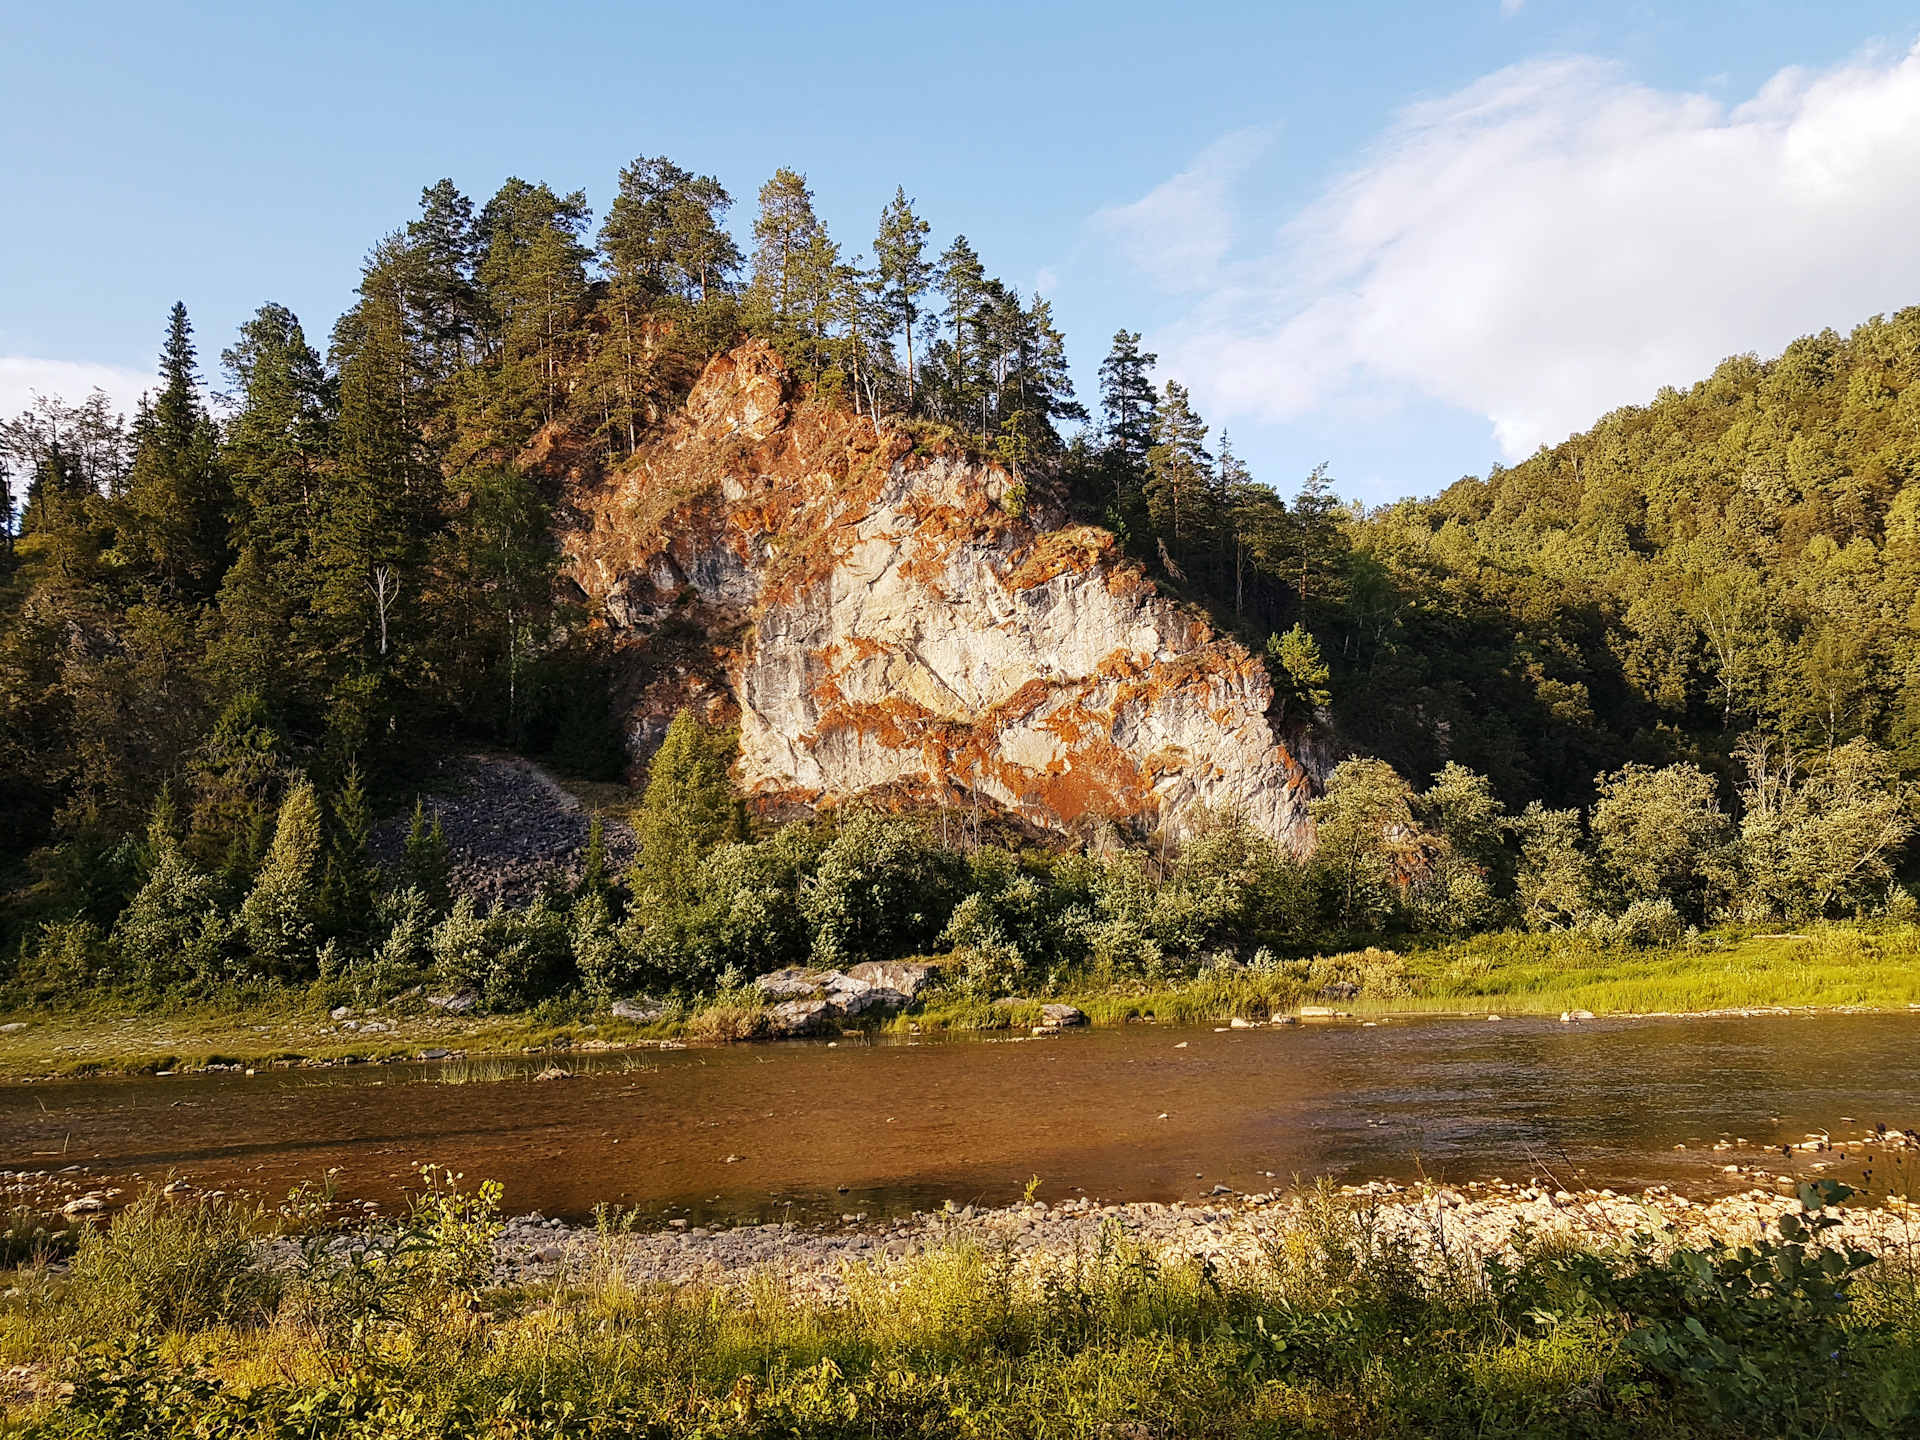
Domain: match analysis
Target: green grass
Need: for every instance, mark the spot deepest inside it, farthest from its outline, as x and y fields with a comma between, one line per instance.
x=1829, y=966
x=172, y=1330
x=112, y=1034
x=1859, y=965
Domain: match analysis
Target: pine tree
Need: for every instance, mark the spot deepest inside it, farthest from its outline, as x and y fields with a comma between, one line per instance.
x=783, y=232
x=1299, y=674
x=8, y=515
x=1127, y=401
x=962, y=281
x=534, y=278
x=904, y=273
x=1315, y=545
x=664, y=231
x=443, y=250
x=1180, y=472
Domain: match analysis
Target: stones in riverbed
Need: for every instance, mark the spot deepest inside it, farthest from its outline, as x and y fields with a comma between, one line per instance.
x=13, y=1027
x=554, y=1072
x=457, y=1003
x=640, y=1012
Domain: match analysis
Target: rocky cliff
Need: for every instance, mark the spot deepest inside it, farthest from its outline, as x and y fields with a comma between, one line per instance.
x=882, y=620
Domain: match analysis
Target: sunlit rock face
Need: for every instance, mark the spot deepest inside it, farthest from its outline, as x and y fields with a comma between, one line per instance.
x=895, y=624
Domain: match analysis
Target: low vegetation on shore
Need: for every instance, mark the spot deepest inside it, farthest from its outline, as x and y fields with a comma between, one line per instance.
x=182, y=1318
x=1869, y=965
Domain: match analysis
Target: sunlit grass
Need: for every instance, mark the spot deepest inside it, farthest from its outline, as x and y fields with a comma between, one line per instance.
x=1121, y=1339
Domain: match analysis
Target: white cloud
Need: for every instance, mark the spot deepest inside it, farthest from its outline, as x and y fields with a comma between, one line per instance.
x=1511, y=7
x=1180, y=232
x=22, y=377
x=1551, y=242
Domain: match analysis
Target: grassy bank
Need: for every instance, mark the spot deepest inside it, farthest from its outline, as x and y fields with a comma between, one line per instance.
x=1837, y=966
x=169, y=1325
x=114, y=1036
x=1874, y=966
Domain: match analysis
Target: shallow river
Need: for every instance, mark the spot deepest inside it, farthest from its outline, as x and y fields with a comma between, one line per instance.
x=1135, y=1113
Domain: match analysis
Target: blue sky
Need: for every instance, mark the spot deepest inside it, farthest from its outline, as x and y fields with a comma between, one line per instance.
x=1409, y=239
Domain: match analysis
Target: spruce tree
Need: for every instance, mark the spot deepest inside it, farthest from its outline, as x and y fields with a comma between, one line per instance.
x=277, y=443
x=174, y=519
x=234, y=777
x=278, y=915
x=688, y=809
x=424, y=866
x=174, y=928
x=349, y=876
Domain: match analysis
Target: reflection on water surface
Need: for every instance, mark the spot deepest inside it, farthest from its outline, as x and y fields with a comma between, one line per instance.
x=761, y=1132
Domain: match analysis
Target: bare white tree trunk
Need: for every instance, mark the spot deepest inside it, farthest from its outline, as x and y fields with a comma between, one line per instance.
x=386, y=589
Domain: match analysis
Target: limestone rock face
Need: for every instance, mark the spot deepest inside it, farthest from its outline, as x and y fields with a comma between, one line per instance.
x=888, y=622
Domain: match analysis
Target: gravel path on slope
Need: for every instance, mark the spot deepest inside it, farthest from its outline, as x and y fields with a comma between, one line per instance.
x=509, y=824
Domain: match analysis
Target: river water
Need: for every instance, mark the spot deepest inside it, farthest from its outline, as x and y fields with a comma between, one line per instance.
x=805, y=1130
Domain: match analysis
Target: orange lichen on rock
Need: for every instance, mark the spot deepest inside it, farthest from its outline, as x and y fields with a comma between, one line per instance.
x=880, y=624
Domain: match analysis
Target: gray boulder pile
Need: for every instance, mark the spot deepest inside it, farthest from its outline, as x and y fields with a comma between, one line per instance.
x=808, y=1001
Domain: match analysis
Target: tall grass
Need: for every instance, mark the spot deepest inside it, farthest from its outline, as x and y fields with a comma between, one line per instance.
x=1339, y=1331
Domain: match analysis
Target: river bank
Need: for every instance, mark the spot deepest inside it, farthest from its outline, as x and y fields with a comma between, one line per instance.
x=1463, y=1226
x=1495, y=1310
x=1842, y=967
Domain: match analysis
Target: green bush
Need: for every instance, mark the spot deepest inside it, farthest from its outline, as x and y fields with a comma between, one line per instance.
x=183, y=1264
x=884, y=888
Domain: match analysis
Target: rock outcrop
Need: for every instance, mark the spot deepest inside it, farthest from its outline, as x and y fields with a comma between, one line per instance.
x=885, y=621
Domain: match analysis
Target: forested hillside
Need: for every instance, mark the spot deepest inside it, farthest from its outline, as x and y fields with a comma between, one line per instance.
x=288, y=579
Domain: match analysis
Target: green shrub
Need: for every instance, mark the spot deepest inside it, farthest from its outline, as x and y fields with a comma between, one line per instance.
x=28, y=1236
x=184, y=1264
x=883, y=888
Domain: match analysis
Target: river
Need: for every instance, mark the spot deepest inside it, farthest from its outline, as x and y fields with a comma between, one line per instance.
x=806, y=1129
